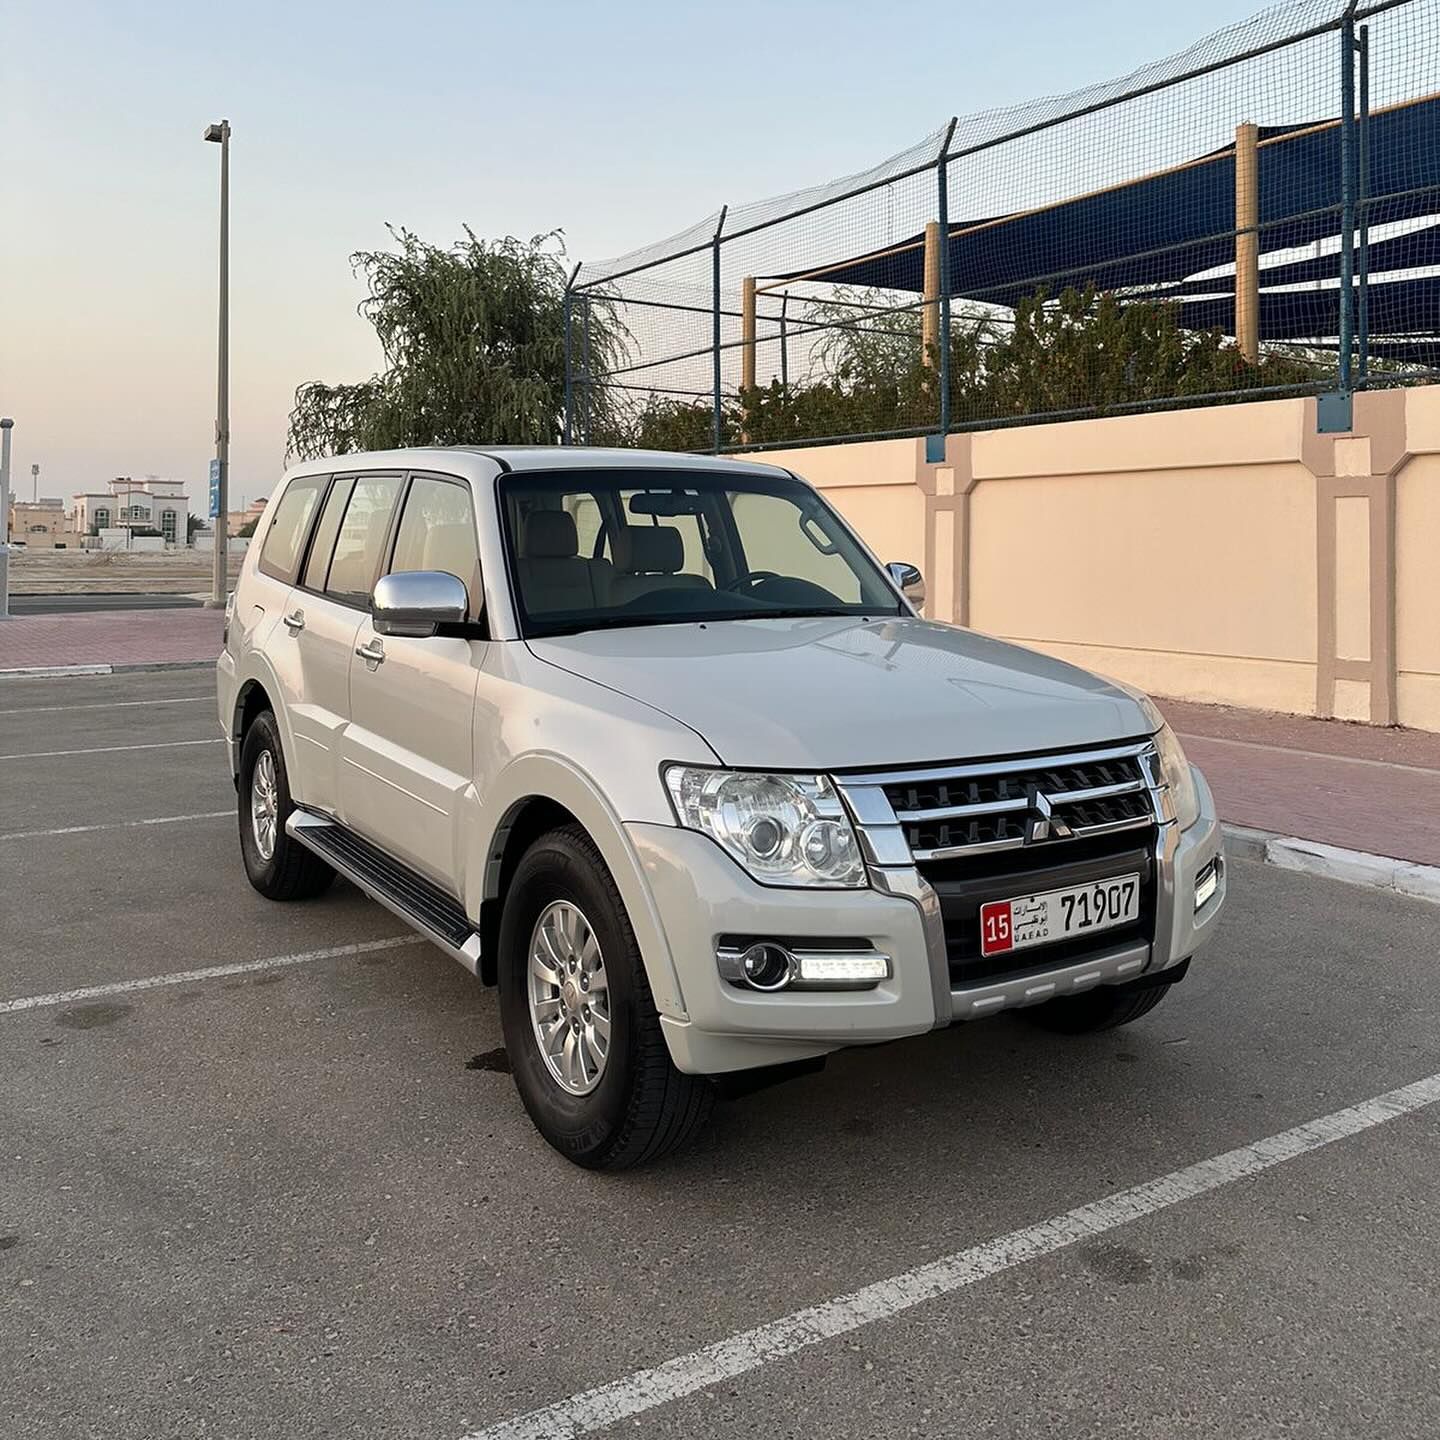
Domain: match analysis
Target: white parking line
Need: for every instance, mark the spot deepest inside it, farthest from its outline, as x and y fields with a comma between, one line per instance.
x=117, y=825
x=209, y=972
x=751, y=1349
x=112, y=704
x=112, y=749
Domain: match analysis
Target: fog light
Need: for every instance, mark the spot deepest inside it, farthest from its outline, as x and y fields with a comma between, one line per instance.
x=800, y=964
x=842, y=968
x=766, y=967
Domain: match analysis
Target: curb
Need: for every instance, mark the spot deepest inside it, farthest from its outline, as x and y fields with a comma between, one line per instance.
x=1330, y=862
x=52, y=672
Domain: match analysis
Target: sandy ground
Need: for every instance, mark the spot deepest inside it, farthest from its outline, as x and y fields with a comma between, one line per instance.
x=80, y=572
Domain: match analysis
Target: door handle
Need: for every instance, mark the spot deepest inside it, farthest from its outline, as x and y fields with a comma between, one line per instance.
x=372, y=652
x=294, y=622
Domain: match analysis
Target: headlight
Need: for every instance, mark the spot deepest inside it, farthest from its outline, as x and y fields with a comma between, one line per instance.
x=784, y=829
x=1175, y=770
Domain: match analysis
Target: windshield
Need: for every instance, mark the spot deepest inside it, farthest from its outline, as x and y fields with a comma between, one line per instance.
x=595, y=548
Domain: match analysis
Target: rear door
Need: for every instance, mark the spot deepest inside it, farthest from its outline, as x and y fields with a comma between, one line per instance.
x=409, y=747
x=312, y=689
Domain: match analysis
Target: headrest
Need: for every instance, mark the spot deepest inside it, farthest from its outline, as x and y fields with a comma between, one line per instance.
x=549, y=535
x=649, y=550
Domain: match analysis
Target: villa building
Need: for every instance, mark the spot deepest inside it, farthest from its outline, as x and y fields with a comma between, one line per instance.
x=146, y=503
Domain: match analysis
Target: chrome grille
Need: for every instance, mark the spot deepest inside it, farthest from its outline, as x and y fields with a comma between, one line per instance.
x=950, y=811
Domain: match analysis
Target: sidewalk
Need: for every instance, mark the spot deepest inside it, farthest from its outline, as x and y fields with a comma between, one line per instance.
x=1352, y=786
x=116, y=638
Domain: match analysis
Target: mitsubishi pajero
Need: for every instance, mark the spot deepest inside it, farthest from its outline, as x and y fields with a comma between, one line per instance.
x=654, y=745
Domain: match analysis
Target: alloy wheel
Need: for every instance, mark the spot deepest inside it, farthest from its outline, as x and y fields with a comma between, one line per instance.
x=264, y=804
x=569, y=996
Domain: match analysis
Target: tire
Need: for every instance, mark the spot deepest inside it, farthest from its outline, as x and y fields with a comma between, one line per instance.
x=289, y=871
x=1104, y=1008
x=637, y=1106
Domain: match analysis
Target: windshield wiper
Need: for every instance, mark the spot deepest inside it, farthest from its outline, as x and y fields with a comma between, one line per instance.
x=797, y=612
x=615, y=622
x=780, y=612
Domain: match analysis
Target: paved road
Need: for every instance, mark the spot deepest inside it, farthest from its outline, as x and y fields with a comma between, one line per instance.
x=70, y=604
x=303, y=1198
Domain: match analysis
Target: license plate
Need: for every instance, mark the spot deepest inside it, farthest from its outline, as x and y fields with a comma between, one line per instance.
x=1058, y=914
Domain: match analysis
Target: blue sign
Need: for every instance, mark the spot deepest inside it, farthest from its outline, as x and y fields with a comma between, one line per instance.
x=214, y=489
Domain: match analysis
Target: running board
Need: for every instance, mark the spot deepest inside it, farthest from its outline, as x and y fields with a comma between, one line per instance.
x=419, y=902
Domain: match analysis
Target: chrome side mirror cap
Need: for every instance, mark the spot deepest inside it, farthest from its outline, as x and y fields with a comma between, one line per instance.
x=416, y=603
x=908, y=581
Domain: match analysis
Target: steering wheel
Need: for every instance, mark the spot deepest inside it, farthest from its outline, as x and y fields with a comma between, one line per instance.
x=751, y=577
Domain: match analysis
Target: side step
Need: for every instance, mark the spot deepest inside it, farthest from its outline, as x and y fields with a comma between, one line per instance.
x=419, y=902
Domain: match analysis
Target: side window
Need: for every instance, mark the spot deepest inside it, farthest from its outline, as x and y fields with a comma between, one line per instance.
x=586, y=511
x=323, y=545
x=285, y=538
x=695, y=561
x=360, y=545
x=437, y=532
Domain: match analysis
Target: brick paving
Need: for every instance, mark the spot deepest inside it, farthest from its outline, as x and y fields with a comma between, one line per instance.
x=110, y=637
x=1354, y=786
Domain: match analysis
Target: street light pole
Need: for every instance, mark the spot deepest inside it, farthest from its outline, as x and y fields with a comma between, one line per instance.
x=220, y=134
x=6, y=426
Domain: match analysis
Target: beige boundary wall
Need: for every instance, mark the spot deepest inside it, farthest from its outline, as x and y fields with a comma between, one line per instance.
x=1228, y=554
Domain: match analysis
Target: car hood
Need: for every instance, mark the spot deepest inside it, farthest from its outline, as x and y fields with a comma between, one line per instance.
x=841, y=693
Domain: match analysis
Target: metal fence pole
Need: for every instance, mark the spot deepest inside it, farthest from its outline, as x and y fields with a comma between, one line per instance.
x=1347, y=197
x=569, y=391
x=715, y=328
x=1362, y=268
x=942, y=200
x=587, y=414
x=784, y=346
x=567, y=306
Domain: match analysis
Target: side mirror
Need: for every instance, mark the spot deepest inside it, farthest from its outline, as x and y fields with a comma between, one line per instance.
x=908, y=581
x=418, y=602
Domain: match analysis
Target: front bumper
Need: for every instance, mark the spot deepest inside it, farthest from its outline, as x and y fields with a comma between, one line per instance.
x=700, y=895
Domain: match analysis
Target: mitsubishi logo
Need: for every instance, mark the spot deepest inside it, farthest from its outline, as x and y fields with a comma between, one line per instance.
x=1042, y=823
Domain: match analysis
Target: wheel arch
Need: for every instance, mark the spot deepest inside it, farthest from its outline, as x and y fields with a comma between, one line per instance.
x=259, y=691
x=544, y=792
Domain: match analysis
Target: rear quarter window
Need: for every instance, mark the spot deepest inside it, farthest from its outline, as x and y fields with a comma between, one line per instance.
x=284, y=541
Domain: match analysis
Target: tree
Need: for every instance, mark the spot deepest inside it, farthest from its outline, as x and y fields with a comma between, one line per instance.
x=247, y=529
x=473, y=338
x=192, y=524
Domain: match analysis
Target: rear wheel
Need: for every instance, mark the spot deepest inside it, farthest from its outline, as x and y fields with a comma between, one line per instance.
x=581, y=1029
x=1104, y=1008
x=278, y=867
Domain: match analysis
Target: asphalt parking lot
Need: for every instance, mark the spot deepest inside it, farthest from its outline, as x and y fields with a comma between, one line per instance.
x=299, y=1197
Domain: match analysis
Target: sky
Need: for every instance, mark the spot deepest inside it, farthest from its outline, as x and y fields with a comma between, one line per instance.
x=618, y=124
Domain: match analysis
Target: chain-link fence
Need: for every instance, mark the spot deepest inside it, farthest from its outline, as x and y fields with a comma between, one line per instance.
x=1256, y=216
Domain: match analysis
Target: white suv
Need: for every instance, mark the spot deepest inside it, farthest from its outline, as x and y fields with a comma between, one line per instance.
x=656, y=746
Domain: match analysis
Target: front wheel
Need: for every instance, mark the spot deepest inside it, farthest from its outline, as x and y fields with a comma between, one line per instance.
x=581, y=1029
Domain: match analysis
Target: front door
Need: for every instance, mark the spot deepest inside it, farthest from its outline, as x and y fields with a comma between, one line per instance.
x=409, y=757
